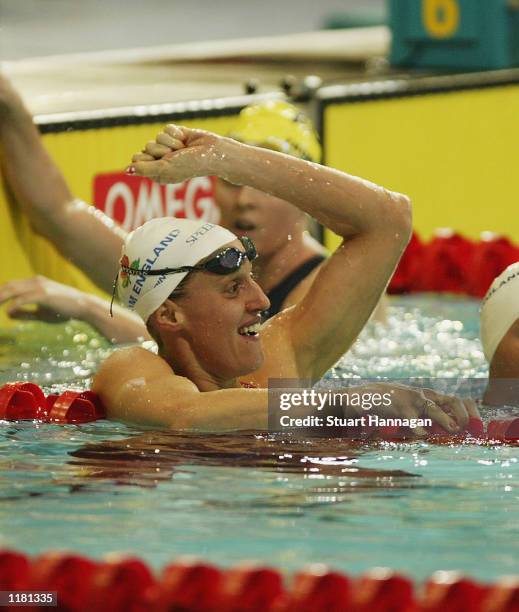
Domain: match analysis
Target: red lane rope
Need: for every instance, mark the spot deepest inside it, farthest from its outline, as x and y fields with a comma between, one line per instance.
x=127, y=583
x=451, y=263
x=26, y=401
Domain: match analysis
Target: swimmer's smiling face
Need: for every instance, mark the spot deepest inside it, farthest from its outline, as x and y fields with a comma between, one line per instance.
x=219, y=318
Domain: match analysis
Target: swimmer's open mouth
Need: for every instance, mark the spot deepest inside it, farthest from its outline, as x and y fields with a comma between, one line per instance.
x=250, y=330
x=245, y=226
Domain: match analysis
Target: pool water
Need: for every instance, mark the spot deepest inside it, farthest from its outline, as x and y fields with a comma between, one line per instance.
x=416, y=507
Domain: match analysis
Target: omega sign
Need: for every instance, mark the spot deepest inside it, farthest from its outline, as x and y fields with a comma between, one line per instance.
x=131, y=200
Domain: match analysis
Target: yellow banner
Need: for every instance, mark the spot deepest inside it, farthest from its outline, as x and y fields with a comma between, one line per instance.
x=455, y=154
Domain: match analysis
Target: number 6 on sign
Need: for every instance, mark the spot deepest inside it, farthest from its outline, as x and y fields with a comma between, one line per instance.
x=441, y=18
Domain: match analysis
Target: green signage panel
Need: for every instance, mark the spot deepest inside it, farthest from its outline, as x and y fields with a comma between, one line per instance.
x=470, y=34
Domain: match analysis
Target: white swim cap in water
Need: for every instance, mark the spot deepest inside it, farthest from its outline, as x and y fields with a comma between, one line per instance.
x=167, y=242
x=500, y=309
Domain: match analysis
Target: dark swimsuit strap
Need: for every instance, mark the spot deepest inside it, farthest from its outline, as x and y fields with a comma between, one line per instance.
x=278, y=294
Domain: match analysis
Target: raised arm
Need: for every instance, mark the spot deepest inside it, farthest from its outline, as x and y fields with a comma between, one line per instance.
x=376, y=226
x=374, y=222
x=40, y=188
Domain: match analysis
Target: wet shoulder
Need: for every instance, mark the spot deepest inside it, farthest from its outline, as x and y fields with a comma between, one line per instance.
x=124, y=364
x=133, y=356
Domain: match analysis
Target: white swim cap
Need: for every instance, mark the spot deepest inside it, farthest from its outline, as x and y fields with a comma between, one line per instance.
x=500, y=309
x=167, y=242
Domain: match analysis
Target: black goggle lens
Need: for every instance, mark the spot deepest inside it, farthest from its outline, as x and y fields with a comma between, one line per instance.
x=231, y=259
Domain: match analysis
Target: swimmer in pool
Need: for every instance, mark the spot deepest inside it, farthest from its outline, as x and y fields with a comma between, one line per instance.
x=191, y=283
x=500, y=338
x=288, y=257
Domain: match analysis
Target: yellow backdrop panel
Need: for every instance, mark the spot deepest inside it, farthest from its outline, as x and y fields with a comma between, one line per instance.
x=80, y=155
x=455, y=154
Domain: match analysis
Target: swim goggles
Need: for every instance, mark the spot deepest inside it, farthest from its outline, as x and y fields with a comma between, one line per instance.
x=225, y=262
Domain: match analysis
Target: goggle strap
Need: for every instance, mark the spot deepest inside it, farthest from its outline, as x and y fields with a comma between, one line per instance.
x=114, y=289
x=161, y=272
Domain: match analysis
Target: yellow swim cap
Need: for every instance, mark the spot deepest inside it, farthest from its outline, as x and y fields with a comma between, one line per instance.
x=280, y=126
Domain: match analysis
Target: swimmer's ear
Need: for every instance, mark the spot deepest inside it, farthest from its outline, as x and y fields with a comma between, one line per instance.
x=168, y=316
